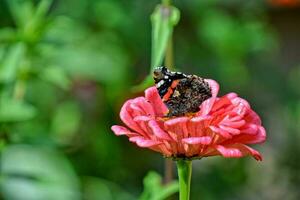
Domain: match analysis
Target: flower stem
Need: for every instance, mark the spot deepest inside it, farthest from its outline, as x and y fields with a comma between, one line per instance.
x=169, y=60
x=184, y=168
x=166, y=2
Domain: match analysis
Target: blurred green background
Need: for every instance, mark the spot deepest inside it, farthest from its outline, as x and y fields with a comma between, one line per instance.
x=66, y=67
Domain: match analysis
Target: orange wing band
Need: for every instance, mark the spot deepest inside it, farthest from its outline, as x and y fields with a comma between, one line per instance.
x=170, y=90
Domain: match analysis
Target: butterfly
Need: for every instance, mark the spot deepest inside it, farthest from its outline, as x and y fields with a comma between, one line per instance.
x=181, y=93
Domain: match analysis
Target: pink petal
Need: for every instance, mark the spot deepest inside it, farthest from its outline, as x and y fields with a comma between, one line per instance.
x=153, y=97
x=214, y=87
x=221, y=132
x=157, y=131
x=249, y=129
x=231, y=95
x=201, y=118
x=206, y=106
x=261, y=135
x=177, y=120
x=127, y=118
x=205, y=140
x=258, y=137
x=234, y=124
x=120, y=130
x=240, y=109
x=248, y=150
x=142, y=142
x=178, y=129
x=182, y=128
x=144, y=106
x=252, y=117
x=223, y=101
x=135, y=105
x=231, y=130
x=237, y=151
x=238, y=100
x=229, y=152
x=236, y=118
x=142, y=118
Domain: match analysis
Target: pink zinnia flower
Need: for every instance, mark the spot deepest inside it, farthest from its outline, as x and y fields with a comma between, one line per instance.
x=223, y=126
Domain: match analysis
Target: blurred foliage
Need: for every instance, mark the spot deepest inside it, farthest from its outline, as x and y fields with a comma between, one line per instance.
x=66, y=67
x=37, y=174
x=153, y=190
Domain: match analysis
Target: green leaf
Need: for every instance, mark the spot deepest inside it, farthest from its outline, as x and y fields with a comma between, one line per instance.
x=14, y=111
x=154, y=190
x=22, y=11
x=33, y=26
x=163, y=21
x=57, y=76
x=42, y=9
x=35, y=173
x=10, y=63
x=30, y=19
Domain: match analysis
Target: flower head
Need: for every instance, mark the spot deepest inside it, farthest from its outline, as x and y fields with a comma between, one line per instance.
x=223, y=126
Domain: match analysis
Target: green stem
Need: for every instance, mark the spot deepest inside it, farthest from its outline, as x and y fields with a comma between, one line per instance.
x=169, y=60
x=166, y=2
x=184, y=168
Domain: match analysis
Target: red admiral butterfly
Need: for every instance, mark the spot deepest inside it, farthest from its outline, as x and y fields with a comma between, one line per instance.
x=181, y=93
